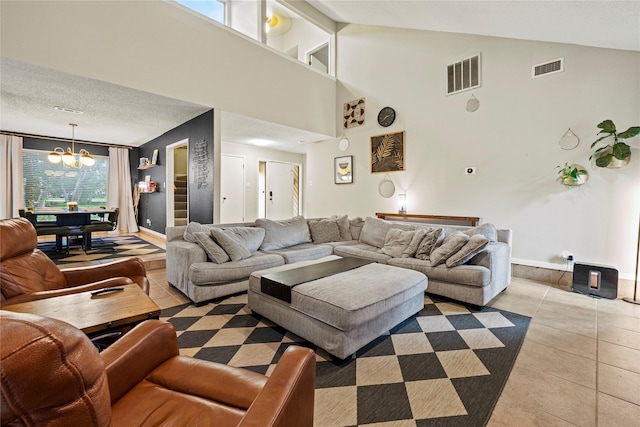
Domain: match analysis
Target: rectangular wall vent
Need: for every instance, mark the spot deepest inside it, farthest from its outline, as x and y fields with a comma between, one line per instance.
x=463, y=75
x=551, y=67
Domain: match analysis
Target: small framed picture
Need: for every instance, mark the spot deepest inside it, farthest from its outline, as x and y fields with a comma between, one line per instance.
x=154, y=159
x=343, y=170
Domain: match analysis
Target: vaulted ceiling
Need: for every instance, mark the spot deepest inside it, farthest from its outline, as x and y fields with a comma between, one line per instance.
x=130, y=117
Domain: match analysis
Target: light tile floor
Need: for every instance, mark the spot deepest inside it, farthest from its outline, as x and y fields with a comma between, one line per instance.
x=579, y=364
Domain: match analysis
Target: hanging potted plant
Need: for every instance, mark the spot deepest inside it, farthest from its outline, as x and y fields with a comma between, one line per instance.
x=572, y=175
x=614, y=155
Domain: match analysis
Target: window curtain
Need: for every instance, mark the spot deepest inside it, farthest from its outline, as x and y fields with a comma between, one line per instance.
x=11, y=185
x=120, y=189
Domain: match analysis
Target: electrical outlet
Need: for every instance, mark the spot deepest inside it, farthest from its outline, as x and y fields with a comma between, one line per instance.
x=567, y=256
x=149, y=222
x=470, y=170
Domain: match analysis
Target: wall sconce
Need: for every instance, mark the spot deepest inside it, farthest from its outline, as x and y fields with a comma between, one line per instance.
x=402, y=200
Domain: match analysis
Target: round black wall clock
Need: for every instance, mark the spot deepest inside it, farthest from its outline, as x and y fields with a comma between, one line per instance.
x=386, y=116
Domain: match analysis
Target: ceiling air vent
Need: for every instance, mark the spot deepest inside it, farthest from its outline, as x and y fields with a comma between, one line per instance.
x=463, y=75
x=551, y=67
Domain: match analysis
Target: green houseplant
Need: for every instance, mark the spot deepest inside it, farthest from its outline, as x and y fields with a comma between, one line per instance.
x=618, y=153
x=572, y=175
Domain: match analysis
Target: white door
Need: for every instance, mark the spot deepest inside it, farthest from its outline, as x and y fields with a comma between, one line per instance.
x=280, y=191
x=232, y=189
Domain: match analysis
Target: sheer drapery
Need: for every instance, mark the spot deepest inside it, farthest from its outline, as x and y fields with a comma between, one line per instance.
x=11, y=186
x=120, y=188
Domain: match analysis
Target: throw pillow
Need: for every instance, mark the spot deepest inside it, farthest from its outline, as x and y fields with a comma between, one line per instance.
x=396, y=241
x=193, y=227
x=214, y=252
x=487, y=230
x=231, y=244
x=343, y=226
x=324, y=231
x=450, y=245
x=283, y=234
x=474, y=246
x=355, y=227
x=411, y=249
x=431, y=238
x=251, y=237
x=374, y=230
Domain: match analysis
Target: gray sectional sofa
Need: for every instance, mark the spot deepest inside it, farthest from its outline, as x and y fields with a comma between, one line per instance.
x=468, y=264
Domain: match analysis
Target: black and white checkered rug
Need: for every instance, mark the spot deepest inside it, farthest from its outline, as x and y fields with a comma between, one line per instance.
x=445, y=366
x=103, y=248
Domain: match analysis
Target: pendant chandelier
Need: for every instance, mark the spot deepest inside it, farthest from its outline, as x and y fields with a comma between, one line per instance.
x=68, y=158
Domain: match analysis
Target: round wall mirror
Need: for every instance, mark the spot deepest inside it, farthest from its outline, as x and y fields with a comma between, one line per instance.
x=387, y=188
x=343, y=144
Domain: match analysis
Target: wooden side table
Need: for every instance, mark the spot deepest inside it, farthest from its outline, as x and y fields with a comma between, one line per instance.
x=95, y=315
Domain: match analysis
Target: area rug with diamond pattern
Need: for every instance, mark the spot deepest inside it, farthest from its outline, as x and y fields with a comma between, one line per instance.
x=445, y=366
x=103, y=248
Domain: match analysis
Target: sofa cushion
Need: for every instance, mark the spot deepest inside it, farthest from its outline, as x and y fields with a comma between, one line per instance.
x=361, y=250
x=209, y=273
x=472, y=275
x=343, y=226
x=355, y=227
x=429, y=242
x=193, y=227
x=487, y=230
x=475, y=244
x=450, y=245
x=285, y=233
x=214, y=252
x=231, y=244
x=324, y=231
x=397, y=241
x=303, y=252
x=374, y=230
x=251, y=237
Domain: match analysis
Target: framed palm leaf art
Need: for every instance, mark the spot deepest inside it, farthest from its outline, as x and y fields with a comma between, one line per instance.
x=343, y=170
x=387, y=152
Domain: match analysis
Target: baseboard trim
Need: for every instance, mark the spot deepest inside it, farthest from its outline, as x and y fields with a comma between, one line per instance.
x=153, y=232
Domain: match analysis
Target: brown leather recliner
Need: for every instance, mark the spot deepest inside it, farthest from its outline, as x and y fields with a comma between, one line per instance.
x=52, y=375
x=27, y=273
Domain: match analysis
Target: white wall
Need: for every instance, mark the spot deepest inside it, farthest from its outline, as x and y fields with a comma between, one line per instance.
x=253, y=155
x=512, y=140
x=164, y=49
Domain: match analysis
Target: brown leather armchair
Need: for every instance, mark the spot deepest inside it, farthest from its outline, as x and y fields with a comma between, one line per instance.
x=27, y=273
x=52, y=375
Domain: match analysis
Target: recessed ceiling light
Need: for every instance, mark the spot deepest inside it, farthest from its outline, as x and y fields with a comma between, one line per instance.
x=68, y=110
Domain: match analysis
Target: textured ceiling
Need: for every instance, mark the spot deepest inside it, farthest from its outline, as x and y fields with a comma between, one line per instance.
x=111, y=113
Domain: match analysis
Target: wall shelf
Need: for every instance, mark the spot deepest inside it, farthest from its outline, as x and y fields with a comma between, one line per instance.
x=146, y=166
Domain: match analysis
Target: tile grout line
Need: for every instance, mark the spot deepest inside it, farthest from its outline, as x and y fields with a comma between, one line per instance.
x=597, y=408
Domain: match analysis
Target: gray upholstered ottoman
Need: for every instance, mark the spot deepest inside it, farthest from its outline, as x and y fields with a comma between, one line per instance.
x=343, y=312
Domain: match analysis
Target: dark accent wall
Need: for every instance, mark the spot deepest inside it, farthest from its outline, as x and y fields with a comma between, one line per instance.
x=152, y=206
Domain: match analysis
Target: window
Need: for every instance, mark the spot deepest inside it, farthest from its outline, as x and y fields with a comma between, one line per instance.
x=284, y=29
x=49, y=185
x=213, y=9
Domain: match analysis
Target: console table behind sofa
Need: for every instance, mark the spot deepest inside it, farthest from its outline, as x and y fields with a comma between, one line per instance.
x=433, y=219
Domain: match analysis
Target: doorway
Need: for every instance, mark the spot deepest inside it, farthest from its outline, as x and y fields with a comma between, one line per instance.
x=232, y=189
x=279, y=190
x=318, y=58
x=177, y=183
